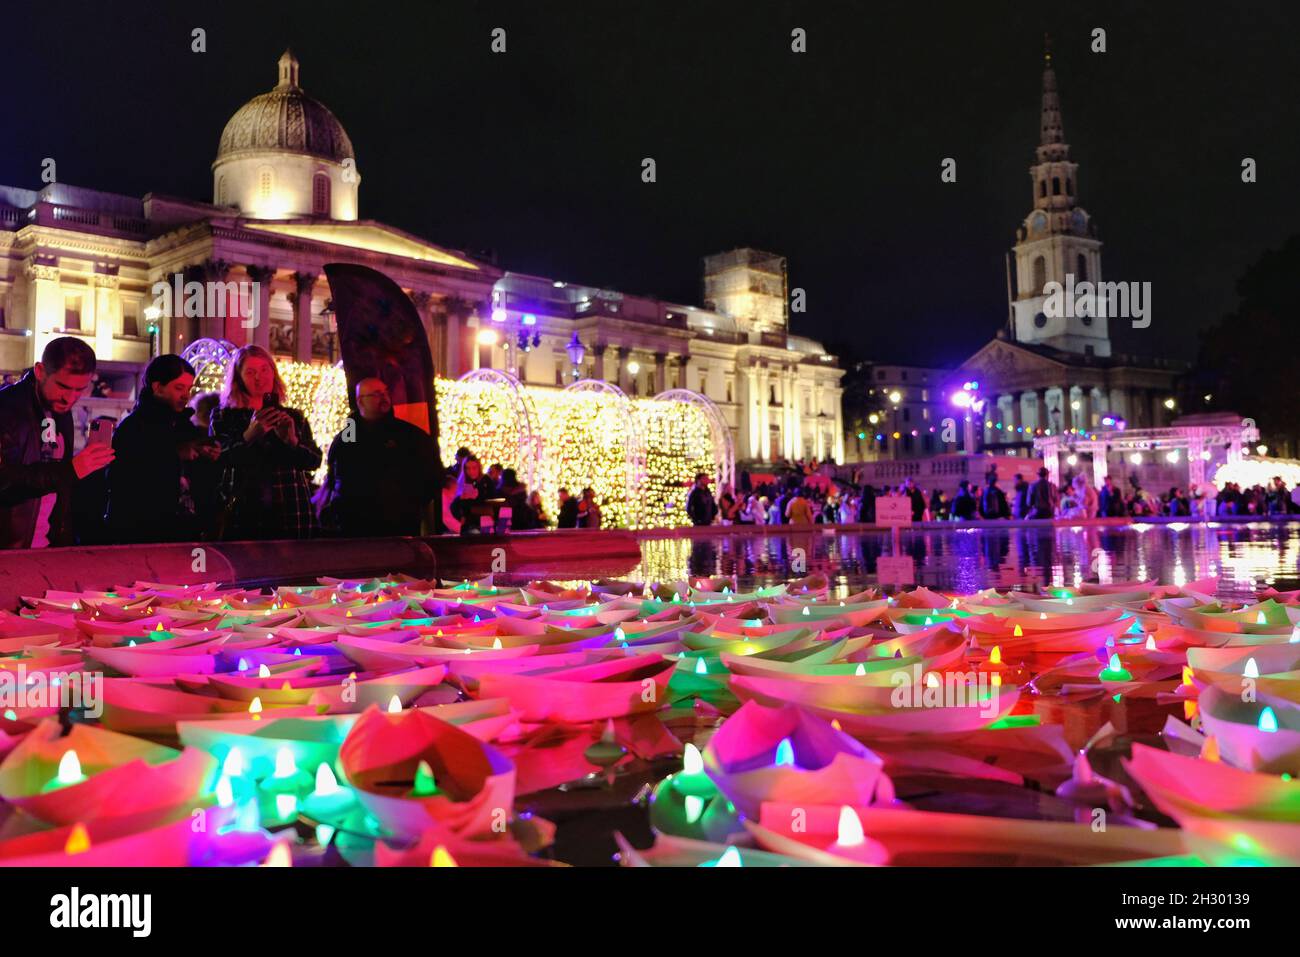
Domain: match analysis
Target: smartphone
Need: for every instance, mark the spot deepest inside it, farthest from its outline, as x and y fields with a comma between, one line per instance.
x=270, y=400
x=101, y=432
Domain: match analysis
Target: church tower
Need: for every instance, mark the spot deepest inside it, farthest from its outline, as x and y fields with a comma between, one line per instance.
x=1057, y=239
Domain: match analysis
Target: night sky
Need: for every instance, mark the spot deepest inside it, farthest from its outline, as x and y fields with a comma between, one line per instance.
x=831, y=158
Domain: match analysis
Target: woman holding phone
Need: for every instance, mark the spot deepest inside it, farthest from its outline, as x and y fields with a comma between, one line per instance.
x=267, y=454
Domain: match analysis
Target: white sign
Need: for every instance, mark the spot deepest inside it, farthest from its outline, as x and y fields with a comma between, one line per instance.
x=894, y=511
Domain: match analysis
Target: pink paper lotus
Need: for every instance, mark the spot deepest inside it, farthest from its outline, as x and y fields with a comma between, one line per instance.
x=829, y=767
x=121, y=772
x=476, y=782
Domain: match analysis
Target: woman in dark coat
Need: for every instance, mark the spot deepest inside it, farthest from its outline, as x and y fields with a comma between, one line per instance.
x=267, y=454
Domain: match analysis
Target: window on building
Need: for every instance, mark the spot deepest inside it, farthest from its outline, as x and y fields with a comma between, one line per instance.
x=130, y=318
x=907, y=414
x=4, y=310
x=925, y=414
x=927, y=442
x=730, y=388
x=1069, y=186
x=1056, y=186
x=1040, y=274
x=320, y=195
x=72, y=311
x=925, y=395
x=771, y=399
x=1042, y=187
x=1081, y=269
x=265, y=182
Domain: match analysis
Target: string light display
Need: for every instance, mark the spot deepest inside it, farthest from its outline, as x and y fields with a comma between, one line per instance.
x=639, y=456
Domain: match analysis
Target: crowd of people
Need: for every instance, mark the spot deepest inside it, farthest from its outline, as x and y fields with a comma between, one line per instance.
x=797, y=501
x=474, y=501
x=239, y=464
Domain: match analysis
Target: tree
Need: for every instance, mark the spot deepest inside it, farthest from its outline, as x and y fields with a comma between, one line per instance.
x=1248, y=355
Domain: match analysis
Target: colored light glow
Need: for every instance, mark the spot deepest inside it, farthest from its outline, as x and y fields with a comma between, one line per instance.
x=849, y=831
x=784, y=754
x=692, y=760
x=285, y=766
x=1268, y=721
x=394, y=705
x=69, y=769
x=425, y=785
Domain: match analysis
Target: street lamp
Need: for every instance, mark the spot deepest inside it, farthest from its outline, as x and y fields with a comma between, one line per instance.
x=895, y=398
x=152, y=318
x=968, y=399
x=576, y=353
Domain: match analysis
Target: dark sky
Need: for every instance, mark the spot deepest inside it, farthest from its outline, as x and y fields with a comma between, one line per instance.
x=831, y=157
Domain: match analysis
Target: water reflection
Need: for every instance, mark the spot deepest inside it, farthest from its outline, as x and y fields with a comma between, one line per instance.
x=965, y=560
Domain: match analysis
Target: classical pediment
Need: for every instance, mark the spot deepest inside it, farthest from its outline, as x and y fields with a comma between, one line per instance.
x=1006, y=363
x=373, y=237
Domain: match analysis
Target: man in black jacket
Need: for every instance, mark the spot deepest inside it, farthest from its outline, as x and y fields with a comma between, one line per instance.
x=568, y=516
x=148, y=489
x=382, y=470
x=700, y=506
x=37, y=467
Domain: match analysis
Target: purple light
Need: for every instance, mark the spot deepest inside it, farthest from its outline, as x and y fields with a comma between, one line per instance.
x=962, y=399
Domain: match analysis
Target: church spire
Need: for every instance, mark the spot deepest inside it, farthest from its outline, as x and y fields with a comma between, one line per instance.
x=1051, y=133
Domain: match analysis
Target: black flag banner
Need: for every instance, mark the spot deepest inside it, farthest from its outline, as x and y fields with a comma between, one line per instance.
x=381, y=336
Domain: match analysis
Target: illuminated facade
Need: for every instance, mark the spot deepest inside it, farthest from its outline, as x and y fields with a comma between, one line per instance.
x=1048, y=375
x=286, y=202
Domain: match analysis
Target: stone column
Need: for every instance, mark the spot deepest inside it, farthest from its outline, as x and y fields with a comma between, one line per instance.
x=302, y=298
x=1085, y=408
x=1017, y=418
x=837, y=449
x=787, y=413
x=598, y=354
x=260, y=333
x=105, y=284
x=764, y=423
x=47, y=305
x=623, y=380
x=1043, y=419
x=451, y=358
x=796, y=415
x=424, y=306
x=751, y=411
x=221, y=302
x=661, y=372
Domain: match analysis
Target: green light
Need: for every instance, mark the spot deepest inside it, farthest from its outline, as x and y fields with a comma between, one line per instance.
x=425, y=786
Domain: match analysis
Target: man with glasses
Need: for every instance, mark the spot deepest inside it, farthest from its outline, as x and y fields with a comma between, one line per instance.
x=37, y=468
x=382, y=471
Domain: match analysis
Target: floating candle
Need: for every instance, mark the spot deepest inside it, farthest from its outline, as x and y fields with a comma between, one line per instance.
x=1114, y=671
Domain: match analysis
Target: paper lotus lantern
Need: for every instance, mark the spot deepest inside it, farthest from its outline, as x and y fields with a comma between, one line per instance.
x=473, y=783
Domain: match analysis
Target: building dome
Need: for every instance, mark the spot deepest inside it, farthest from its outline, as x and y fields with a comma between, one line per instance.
x=286, y=119
x=284, y=154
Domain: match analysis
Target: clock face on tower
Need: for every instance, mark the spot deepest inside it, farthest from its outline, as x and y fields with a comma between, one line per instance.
x=1038, y=223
